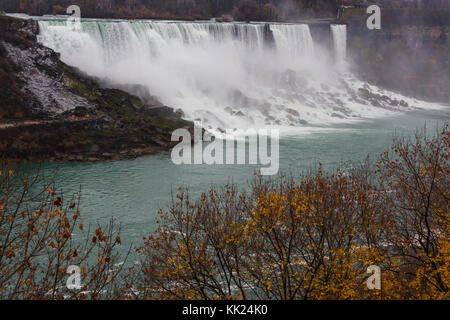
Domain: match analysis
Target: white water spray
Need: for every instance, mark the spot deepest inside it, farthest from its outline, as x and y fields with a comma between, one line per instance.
x=340, y=42
x=227, y=75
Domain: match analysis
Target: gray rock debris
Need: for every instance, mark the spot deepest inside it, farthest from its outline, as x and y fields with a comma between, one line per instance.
x=44, y=81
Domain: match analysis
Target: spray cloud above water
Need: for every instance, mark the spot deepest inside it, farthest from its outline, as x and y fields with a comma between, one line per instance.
x=226, y=75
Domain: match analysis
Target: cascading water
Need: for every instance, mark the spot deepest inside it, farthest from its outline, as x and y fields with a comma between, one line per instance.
x=295, y=38
x=228, y=75
x=340, y=42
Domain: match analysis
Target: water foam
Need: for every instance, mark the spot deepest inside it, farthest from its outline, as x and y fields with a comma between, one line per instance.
x=226, y=75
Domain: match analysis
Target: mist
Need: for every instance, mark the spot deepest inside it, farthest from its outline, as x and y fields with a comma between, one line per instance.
x=227, y=75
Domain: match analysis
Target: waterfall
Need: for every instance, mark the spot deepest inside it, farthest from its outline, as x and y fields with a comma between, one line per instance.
x=224, y=74
x=295, y=40
x=340, y=42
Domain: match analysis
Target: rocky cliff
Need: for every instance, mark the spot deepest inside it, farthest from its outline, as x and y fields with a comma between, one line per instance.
x=411, y=58
x=50, y=111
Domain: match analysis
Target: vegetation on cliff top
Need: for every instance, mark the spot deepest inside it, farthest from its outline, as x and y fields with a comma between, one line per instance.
x=185, y=10
x=409, y=11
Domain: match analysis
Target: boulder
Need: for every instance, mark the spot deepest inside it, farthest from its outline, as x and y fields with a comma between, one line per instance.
x=157, y=110
x=82, y=111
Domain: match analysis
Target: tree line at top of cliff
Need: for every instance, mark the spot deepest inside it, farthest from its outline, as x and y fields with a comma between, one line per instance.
x=225, y=10
x=265, y=10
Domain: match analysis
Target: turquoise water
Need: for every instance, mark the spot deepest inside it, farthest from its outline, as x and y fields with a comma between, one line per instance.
x=133, y=191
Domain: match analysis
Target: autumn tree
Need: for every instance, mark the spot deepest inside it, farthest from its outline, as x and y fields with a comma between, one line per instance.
x=311, y=237
x=415, y=177
x=38, y=227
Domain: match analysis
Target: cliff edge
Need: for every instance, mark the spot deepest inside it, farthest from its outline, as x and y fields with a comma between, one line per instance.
x=50, y=111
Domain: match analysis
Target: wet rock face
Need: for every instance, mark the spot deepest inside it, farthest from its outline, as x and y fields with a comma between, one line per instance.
x=411, y=59
x=80, y=112
x=30, y=27
x=269, y=40
x=381, y=101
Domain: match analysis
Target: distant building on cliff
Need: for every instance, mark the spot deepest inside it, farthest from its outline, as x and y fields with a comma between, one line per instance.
x=355, y=6
x=357, y=3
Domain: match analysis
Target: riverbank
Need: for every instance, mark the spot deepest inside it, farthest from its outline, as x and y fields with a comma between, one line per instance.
x=53, y=112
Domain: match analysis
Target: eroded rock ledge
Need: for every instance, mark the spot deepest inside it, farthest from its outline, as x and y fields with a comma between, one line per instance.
x=52, y=112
